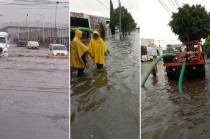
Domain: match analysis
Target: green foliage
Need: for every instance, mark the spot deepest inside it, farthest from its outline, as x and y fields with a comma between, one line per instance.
x=207, y=45
x=102, y=30
x=143, y=50
x=112, y=23
x=169, y=48
x=127, y=21
x=191, y=23
x=111, y=7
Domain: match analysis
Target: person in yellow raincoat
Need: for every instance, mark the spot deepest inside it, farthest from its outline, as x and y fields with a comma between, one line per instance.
x=155, y=70
x=78, y=53
x=98, y=49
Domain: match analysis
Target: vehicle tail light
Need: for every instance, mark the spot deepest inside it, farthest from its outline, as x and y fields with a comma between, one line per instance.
x=194, y=68
x=174, y=69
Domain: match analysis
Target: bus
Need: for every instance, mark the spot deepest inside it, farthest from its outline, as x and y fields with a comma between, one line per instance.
x=80, y=20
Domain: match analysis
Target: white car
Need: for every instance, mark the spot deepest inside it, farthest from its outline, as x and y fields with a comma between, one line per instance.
x=32, y=44
x=144, y=58
x=4, y=44
x=58, y=50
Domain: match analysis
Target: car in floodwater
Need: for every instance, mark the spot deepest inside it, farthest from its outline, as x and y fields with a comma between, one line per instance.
x=4, y=44
x=21, y=43
x=58, y=50
x=32, y=45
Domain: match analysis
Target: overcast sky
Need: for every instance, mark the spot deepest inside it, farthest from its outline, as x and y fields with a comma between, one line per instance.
x=15, y=11
x=154, y=19
x=102, y=7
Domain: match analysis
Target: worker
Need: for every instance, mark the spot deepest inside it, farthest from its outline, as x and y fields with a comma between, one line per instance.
x=78, y=53
x=155, y=70
x=164, y=68
x=98, y=49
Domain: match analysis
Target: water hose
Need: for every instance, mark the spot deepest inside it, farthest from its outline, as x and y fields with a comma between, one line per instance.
x=180, y=88
x=152, y=67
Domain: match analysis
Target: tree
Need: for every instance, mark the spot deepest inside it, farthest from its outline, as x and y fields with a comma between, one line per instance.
x=112, y=24
x=191, y=23
x=127, y=21
x=206, y=47
x=169, y=48
x=102, y=30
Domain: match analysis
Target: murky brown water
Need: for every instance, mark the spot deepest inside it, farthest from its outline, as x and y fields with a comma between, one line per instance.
x=167, y=114
x=105, y=104
x=34, y=95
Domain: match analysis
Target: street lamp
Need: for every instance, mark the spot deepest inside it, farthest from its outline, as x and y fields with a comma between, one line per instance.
x=27, y=27
x=57, y=2
x=42, y=28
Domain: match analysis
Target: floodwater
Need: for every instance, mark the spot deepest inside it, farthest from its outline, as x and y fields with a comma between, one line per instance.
x=34, y=96
x=167, y=114
x=105, y=104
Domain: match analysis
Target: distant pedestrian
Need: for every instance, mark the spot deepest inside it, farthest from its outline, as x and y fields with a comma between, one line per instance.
x=98, y=49
x=78, y=53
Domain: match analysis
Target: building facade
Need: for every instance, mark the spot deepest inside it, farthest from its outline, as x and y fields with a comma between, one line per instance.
x=147, y=42
x=94, y=22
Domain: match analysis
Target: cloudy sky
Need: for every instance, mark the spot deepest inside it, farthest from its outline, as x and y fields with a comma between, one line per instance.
x=101, y=7
x=154, y=19
x=15, y=11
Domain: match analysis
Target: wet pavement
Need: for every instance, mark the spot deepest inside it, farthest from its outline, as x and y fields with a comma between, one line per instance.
x=105, y=104
x=167, y=114
x=34, y=98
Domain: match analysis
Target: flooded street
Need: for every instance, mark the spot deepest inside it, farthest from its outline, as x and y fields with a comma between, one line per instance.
x=34, y=96
x=167, y=114
x=105, y=104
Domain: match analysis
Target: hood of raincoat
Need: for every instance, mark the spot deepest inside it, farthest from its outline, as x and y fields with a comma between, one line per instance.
x=78, y=49
x=78, y=34
x=98, y=49
x=95, y=32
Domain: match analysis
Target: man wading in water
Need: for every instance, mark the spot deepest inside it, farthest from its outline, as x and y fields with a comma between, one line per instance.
x=155, y=70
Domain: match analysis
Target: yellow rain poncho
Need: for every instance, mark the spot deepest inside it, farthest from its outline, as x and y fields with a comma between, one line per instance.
x=98, y=49
x=77, y=50
x=155, y=70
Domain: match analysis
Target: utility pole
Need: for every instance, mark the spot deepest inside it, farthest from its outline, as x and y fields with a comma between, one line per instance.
x=42, y=28
x=159, y=42
x=120, y=26
x=57, y=2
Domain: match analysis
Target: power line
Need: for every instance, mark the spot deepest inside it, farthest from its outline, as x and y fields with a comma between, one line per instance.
x=177, y=3
x=165, y=7
x=172, y=5
x=103, y=4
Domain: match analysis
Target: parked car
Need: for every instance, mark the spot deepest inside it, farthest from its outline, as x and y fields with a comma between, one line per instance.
x=21, y=43
x=58, y=50
x=144, y=58
x=32, y=44
x=4, y=44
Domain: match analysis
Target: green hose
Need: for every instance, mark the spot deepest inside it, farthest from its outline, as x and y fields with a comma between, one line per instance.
x=152, y=67
x=180, y=88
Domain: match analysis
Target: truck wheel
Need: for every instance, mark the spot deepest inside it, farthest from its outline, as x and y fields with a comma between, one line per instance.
x=203, y=72
x=169, y=74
